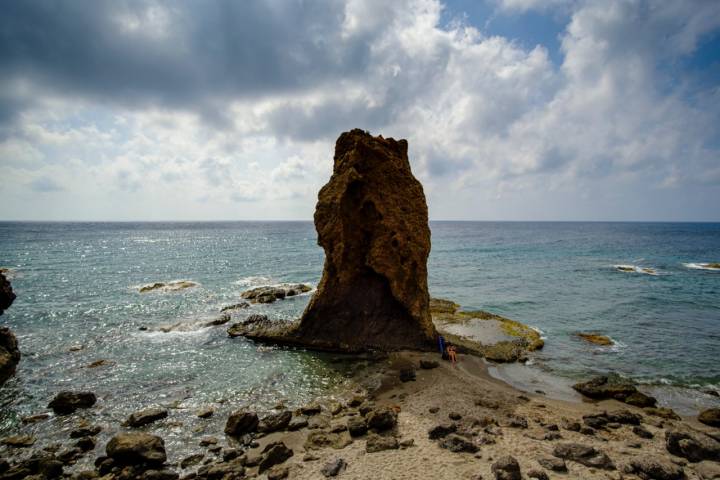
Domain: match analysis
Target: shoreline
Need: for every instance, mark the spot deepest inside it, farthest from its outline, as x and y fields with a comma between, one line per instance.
x=494, y=416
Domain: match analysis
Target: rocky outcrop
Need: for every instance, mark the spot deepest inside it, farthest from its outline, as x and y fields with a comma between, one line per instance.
x=372, y=222
x=607, y=387
x=271, y=293
x=9, y=351
x=168, y=286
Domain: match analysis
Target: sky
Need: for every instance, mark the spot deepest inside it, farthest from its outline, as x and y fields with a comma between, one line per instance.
x=228, y=110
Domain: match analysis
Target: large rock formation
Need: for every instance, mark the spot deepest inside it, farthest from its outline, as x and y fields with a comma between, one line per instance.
x=9, y=352
x=372, y=222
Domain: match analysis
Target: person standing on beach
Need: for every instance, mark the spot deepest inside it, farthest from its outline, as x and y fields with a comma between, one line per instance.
x=452, y=353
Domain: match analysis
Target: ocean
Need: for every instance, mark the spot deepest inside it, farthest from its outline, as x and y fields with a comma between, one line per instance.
x=78, y=303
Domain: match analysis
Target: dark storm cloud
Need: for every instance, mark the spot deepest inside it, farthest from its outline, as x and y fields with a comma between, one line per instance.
x=184, y=55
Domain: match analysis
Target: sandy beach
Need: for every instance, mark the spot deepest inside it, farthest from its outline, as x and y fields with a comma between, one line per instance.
x=499, y=419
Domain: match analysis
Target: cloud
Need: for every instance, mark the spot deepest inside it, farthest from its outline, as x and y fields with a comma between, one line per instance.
x=194, y=107
x=45, y=185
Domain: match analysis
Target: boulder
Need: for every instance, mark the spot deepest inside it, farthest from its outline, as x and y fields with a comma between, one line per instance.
x=639, y=399
x=357, y=426
x=19, y=441
x=382, y=419
x=504, y=352
x=708, y=470
x=457, y=443
x=407, y=375
x=441, y=430
x=693, y=445
x=274, y=454
x=219, y=471
x=428, y=364
x=552, y=463
x=584, y=455
x=275, y=422
x=235, y=306
x=254, y=323
x=506, y=468
x=318, y=440
x=650, y=467
x=333, y=467
x=239, y=423
x=145, y=417
x=67, y=402
x=537, y=475
x=377, y=443
x=711, y=417
x=269, y=294
x=601, y=388
x=136, y=448
x=372, y=222
x=642, y=432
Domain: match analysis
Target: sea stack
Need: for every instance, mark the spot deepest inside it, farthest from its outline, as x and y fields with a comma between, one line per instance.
x=372, y=222
x=9, y=352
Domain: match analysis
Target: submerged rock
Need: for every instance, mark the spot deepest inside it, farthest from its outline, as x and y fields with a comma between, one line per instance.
x=67, y=402
x=236, y=306
x=596, y=339
x=168, y=286
x=145, y=417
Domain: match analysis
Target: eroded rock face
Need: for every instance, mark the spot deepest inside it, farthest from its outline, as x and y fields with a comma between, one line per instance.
x=372, y=222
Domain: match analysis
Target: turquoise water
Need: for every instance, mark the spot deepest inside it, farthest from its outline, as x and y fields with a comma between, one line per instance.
x=77, y=287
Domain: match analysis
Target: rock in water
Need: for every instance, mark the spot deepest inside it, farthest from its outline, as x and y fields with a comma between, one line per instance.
x=9, y=351
x=6, y=294
x=136, y=448
x=372, y=222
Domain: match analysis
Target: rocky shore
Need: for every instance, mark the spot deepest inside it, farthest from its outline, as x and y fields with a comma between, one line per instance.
x=423, y=419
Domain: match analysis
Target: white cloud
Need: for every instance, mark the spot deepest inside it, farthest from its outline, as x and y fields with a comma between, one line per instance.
x=492, y=126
